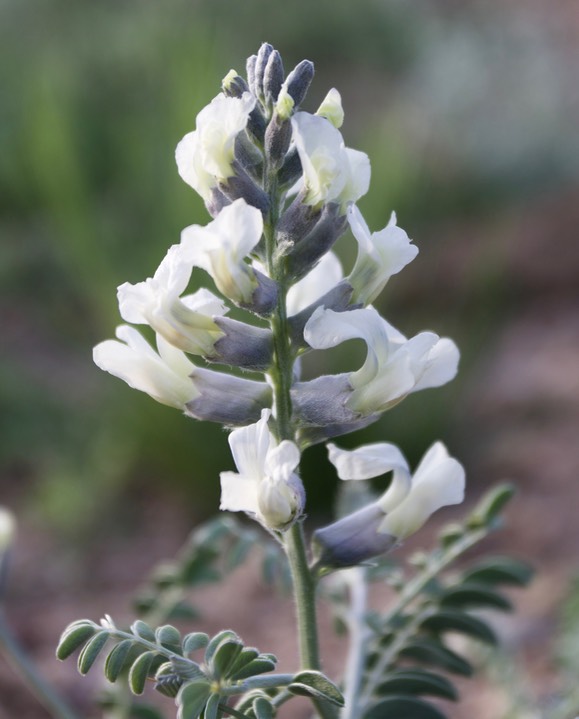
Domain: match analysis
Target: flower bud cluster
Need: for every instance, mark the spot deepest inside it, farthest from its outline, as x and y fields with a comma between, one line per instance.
x=281, y=187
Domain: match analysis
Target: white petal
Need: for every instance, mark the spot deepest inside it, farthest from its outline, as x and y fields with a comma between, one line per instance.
x=324, y=277
x=282, y=460
x=238, y=493
x=366, y=462
x=442, y=365
x=188, y=158
x=142, y=368
x=249, y=446
x=356, y=176
x=439, y=481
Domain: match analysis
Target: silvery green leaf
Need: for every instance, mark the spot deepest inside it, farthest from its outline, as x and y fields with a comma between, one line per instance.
x=417, y=681
x=224, y=658
x=431, y=651
x=143, y=630
x=192, y=698
x=194, y=641
x=461, y=622
x=212, y=707
x=317, y=685
x=140, y=671
x=74, y=636
x=261, y=665
x=91, y=650
x=169, y=637
x=263, y=709
x=213, y=645
x=500, y=570
x=118, y=659
x=400, y=707
x=474, y=595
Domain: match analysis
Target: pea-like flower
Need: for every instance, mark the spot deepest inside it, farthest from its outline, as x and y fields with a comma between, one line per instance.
x=332, y=172
x=169, y=377
x=265, y=486
x=205, y=156
x=186, y=322
x=164, y=376
x=409, y=501
x=221, y=249
x=394, y=366
x=380, y=255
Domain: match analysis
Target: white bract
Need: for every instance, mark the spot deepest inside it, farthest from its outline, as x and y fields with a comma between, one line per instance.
x=394, y=366
x=380, y=255
x=220, y=248
x=185, y=322
x=265, y=485
x=438, y=481
x=163, y=375
x=331, y=171
x=205, y=156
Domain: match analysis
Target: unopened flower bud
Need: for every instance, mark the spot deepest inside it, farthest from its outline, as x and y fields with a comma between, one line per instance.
x=277, y=139
x=250, y=70
x=285, y=104
x=306, y=252
x=331, y=108
x=234, y=85
x=273, y=77
x=263, y=56
x=299, y=81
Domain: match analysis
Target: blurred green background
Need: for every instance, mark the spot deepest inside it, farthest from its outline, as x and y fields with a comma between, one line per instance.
x=468, y=112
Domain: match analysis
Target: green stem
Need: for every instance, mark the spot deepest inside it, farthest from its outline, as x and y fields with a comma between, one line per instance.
x=42, y=690
x=281, y=374
x=360, y=633
x=304, y=591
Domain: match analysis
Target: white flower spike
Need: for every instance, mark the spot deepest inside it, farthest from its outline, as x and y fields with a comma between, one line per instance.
x=380, y=255
x=265, y=485
x=205, y=156
x=394, y=366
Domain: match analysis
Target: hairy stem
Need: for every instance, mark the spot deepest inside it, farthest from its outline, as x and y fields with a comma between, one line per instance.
x=41, y=689
x=359, y=635
x=281, y=374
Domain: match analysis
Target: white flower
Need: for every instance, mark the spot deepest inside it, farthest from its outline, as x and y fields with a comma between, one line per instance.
x=7, y=529
x=221, y=247
x=265, y=485
x=163, y=376
x=380, y=255
x=331, y=108
x=394, y=366
x=205, y=156
x=324, y=277
x=409, y=501
x=185, y=322
x=331, y=171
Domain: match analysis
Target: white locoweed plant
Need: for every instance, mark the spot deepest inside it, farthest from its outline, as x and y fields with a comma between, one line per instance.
x=281, y=187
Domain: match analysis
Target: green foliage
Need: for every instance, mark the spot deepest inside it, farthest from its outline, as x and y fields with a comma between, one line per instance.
x=315, y=684
x=408, y=647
